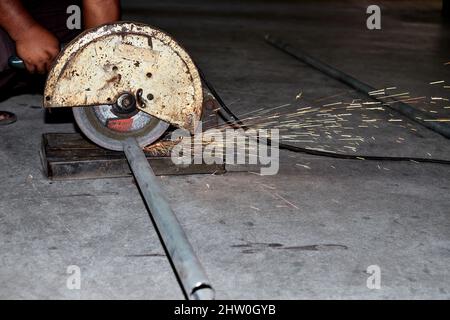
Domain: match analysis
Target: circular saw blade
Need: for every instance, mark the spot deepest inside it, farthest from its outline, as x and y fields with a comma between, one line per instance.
x=108, y=130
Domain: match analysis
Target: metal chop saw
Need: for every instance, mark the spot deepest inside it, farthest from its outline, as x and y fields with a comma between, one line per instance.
x=127, y=82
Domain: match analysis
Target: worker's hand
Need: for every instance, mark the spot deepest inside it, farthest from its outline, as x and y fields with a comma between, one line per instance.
x=37, y=48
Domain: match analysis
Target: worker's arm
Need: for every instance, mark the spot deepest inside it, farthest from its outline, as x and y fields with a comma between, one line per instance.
x=98, y=12
x=34, y=44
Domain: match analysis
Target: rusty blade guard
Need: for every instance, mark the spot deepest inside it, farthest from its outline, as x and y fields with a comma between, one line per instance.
x=103, y=63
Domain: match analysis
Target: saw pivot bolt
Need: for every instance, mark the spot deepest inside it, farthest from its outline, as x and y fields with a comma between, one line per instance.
x=125, y=105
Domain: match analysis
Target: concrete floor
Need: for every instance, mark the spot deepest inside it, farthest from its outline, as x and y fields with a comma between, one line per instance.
x=343, y=215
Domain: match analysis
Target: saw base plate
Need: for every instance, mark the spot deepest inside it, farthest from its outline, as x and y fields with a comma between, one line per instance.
x=69, y=156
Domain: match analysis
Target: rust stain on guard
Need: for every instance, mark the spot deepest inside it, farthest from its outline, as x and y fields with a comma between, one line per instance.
x=102, y=63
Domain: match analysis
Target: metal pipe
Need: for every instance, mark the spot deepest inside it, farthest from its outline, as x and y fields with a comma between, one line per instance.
x=190, y=272
x=401, y=107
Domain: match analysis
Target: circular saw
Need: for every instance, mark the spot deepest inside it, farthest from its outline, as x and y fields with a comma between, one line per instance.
x=127, y=83
x=126, y=80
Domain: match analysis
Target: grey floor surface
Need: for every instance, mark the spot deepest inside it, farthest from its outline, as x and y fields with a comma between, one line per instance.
x=311, y=231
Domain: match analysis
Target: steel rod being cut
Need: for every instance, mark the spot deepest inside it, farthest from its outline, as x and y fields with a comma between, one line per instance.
x=191, y=273
x=401, y=107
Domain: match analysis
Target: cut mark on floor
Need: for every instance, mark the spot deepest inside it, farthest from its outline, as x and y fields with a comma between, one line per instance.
x=145, y=255
x=255, y=247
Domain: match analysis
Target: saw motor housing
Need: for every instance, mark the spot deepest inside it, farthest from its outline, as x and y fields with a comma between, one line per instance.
x=126, y=79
